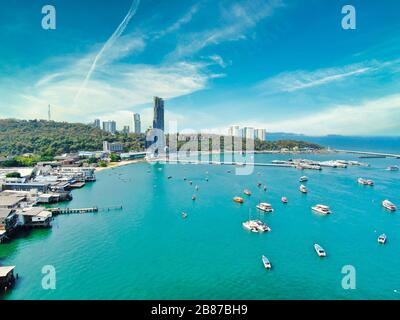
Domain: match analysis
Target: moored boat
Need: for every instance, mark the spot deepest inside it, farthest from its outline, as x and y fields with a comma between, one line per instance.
x=284, y=200
x=238, y=199
x=319, y=250
x=382, y=239
x=184, y=215
x=393, y=168
x=389, y=205
x=256, y=226
x=247, y=192
x=320, y=208
x=194, y=197
x=266, y=207
x=303, y=179
x=266, y=262
x=303, y=189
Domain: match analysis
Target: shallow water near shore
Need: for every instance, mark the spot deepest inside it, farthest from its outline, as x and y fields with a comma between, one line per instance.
x=147, y=251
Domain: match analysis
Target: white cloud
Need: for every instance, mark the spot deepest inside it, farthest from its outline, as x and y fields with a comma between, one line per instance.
x=378, y=116
x=236, y=21
x=300, y=80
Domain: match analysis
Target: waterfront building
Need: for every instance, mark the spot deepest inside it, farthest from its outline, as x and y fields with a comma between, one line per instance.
x=112, y=147
x=133, y=155
x=96, y=123
x=110, y=126
x=7, y=278
x=8, y=220
x=10, y=200
x=30, y=186
x=158, y=122
x=137, y=123
x=248, y=132
x=261, y=134
x=86, y=174
x=234, y=131
x=35, y=217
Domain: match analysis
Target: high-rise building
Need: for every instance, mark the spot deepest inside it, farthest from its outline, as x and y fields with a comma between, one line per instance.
x=96, y=123
x=261, y=134
x=234, y=131
x=112, y=147
x=110, y=126
x=248, y=132
x=137, y=124
x=158, y=122
x=125, y=129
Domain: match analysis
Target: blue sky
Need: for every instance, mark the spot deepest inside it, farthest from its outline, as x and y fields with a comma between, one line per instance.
x=280, y=65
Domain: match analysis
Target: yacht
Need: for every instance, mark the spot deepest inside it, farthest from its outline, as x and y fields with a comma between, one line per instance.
x=256, y=226
x=303, y=179
x=238, y=199
x=393, y=168
x=389, y=205
x=247, y=192
x=320, y=251
x=266, y=262
x=320, y=208
x=284, y=200
x=266, y=207
x=382, y=239
x=303, y=189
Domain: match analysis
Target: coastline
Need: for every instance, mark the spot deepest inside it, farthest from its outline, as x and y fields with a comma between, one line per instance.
x=119, y=164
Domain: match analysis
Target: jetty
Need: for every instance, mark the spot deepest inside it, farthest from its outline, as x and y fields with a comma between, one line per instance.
x=370, y=154
x=57, y=211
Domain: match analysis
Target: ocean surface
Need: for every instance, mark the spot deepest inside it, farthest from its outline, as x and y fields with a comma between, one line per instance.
x=148, y=251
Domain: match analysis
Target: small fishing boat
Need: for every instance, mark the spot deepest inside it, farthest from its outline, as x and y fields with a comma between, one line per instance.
x=190, y=182
x=238, y=199
x=382, y=239
x=194, y=197
x=284, y=200
x=259, y=184
x=266, y=207
x=247, y=192
x=303, y=179
x=169, y=177
x=265, y=188
x=389, y=205
x=196, y=187
x=184, y=179
x=303, y=189
x=184, y=215
x=266, y=262
x=320, y=208
x=206, y=179
x=319, y=250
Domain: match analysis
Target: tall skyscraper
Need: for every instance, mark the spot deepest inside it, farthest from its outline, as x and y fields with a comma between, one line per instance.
x=234, y=131
x=137, y=125
x=261, y=134
x=158, y=122
x=248, y=132
x=96, y=123
x=110, y=126
x=125, y=130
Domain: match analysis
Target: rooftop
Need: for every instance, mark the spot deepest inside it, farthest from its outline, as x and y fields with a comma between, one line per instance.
x=4, y=271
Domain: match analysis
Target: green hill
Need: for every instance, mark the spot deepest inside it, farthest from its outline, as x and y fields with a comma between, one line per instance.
x=49, y=138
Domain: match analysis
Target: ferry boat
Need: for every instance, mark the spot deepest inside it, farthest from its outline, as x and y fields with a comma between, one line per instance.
x=266, y=262
x=393, y=168
x=284, y=200
x=303, y=179
x=320, y=208
x=256, y=226
x=247, y=192
x=238, y=199
x=303, y=189
x=320, y=251
x=266, y=207
x=389, y=205
x=382, y=239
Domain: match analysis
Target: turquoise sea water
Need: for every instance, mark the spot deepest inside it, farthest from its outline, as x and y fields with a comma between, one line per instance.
x=147, y=251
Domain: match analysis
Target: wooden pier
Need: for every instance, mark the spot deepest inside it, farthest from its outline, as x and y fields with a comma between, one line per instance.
x=57, y=211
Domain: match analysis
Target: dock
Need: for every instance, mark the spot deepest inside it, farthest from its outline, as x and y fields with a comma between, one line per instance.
x=57, y=211
x=371, y=154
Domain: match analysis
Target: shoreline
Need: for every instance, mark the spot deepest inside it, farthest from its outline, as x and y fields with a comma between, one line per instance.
x=118, y=164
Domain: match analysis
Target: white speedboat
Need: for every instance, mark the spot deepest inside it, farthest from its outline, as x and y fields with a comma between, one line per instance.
x=320, y=208
x=266, y=262
x=284, y=200
x=382, y=239
x=303, y=189
x=362, y=181
x=303, y=179
x=320, y=251
x=184, y=215
x=266, y=207
x=389, y=205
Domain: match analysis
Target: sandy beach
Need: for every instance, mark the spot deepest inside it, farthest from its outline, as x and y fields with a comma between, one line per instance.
x=119, y=164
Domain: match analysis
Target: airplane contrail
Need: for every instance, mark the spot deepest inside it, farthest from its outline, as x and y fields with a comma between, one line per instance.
x=117, y=33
